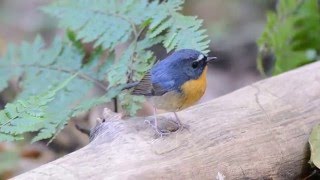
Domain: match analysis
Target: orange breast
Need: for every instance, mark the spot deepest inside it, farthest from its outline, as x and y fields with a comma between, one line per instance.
x=193, y=90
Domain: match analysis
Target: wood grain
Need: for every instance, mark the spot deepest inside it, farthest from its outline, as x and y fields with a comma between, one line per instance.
x=257, y=132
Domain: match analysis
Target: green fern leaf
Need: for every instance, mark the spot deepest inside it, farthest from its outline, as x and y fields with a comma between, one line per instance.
x=186, y=26
x=112, y=24
x=47, y=132
x=27, y=115
x=290, y=33
x=131, y=103
x=92, y=21
x=44, y=106
x=6, y=72
x=9, y=137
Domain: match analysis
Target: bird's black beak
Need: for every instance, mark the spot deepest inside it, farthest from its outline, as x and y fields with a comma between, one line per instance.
x=211, y=59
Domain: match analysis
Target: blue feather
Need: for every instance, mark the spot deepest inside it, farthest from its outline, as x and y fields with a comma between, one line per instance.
x=170, y=73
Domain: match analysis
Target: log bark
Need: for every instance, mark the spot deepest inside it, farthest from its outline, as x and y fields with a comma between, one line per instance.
x=258, y=132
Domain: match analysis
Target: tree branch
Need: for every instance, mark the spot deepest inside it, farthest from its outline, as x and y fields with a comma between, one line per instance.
x=257, y=132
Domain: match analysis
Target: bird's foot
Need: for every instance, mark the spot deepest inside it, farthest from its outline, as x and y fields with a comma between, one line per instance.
x=177, y=122
x=159, y=132
x=180, y=126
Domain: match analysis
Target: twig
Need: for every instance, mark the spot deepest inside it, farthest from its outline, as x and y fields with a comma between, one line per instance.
x=83, y=130
x=135, y=41
x=80, y=75
x=134, y=29
x=115, y=103
x=310, y=175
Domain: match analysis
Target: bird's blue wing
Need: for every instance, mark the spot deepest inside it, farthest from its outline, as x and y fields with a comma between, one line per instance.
x=148, y=87
x=162, y=80
x=156, y=82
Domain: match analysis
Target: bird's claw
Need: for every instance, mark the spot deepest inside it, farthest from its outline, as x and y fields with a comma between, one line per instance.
x=159, y=132
x=180, y=127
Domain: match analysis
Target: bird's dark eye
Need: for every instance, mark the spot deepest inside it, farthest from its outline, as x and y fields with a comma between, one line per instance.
x=204, y=58
x=195, y=64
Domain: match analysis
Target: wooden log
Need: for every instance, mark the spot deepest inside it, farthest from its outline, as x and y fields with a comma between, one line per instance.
x=258, y=132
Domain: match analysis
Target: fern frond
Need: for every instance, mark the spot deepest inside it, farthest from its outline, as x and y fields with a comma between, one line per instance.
x=290, y=33
x=112, y=22
x=7, y=73
x=27, y=115
x=87, y=105
x=185, y=32
x=4, y=137
x=107, y=23
x=43, y=69
x=131, y=103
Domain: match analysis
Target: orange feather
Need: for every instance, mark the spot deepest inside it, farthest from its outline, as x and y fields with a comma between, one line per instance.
x=193, y=90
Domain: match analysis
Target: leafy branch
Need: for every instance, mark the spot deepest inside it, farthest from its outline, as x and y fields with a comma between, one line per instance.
x=136, y=24
x=27, y=115
x=292, y=35
x=70, y=72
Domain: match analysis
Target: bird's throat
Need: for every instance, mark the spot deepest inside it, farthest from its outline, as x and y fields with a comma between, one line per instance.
x=194, y=89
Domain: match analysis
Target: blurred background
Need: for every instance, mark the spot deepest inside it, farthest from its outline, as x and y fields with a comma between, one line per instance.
x=233, y=27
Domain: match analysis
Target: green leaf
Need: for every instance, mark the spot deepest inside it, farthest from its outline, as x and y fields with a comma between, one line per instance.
x=8, y=160
x=48, y=101
x=86, y=105
x=112, y=23
x=289, y=34
x=182, y=27
x=10, y=137
x=131, y=103
x=28, y=115
x=6, y=72
x=314, y=141
x=96, y=20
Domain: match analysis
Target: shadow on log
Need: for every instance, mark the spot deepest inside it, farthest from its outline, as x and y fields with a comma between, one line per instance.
x=259, y=131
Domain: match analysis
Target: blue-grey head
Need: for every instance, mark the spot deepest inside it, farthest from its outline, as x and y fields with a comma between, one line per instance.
x=188, y=63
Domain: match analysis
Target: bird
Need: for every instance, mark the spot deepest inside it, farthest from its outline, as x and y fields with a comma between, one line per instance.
x=174, y=83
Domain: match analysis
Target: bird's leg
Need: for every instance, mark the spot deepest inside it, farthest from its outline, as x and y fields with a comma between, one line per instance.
x=178, y=122
x=158, y=131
